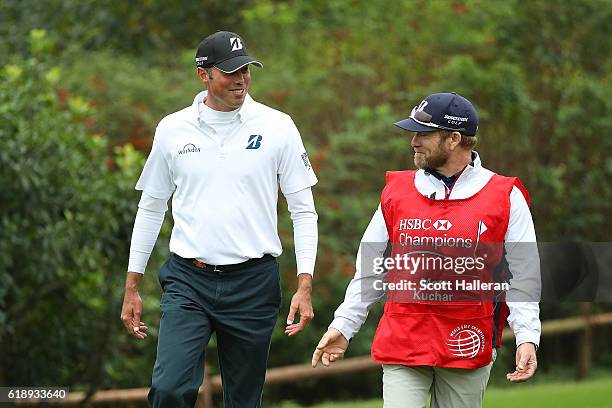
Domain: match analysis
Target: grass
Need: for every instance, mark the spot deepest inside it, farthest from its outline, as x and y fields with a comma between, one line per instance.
x=595, y=393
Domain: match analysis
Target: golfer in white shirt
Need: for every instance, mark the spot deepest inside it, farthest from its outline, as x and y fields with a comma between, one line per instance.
x=222, y=160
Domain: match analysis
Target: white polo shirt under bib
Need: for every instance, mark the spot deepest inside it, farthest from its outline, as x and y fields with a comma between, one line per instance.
x=224, y=188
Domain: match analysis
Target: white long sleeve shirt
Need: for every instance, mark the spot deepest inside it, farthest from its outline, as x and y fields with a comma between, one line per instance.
x=520, y=238
x=151, y=212
x=224, y=171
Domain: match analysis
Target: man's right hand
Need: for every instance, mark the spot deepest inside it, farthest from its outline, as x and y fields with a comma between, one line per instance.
x=526, y=363
x=331, y=348
x=132, y=308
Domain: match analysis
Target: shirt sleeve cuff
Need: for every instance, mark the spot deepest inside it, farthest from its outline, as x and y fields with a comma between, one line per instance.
x=527, y=337
x=305, y=265
x=344, y=326
x=138, y=261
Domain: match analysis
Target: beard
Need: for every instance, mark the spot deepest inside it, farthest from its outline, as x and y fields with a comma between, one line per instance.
x=436, y=159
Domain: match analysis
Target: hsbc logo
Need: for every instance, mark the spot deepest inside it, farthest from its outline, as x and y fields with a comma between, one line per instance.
x=442, y=225
x=415, y=224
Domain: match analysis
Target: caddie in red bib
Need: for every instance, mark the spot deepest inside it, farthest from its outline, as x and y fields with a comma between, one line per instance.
x=453, y=325
x=451, y=268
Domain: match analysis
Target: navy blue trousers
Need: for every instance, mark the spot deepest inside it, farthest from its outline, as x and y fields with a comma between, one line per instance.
x=240, y=306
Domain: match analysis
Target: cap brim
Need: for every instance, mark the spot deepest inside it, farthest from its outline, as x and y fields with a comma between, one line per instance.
x=413, y=126
x=234, y=64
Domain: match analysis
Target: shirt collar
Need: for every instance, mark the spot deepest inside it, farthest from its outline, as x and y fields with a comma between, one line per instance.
x=244, y=112
x=475, y=164
x=475, y=160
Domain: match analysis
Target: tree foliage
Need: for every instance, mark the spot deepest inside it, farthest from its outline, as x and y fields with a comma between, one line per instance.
x=539, y=72
x=134, y=27
x=66, y=210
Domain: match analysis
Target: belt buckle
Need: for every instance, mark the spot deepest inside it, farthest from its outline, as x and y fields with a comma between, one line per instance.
x=199, y=264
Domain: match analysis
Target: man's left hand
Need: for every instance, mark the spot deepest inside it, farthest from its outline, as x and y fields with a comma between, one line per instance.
x=300, y=303
x=526, y=363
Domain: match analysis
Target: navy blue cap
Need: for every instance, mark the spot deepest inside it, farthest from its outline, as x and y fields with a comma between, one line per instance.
x=442, y=111
x=224, y=50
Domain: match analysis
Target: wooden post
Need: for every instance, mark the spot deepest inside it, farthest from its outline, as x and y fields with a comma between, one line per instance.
x=584, y=342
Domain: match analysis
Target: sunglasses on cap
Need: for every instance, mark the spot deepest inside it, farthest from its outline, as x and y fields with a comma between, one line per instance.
x=423, y=118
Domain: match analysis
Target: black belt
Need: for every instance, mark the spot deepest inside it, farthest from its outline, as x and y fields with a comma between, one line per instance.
x=229, y=268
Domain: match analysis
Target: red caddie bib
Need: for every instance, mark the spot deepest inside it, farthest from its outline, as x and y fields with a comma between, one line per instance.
x=454, y=249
